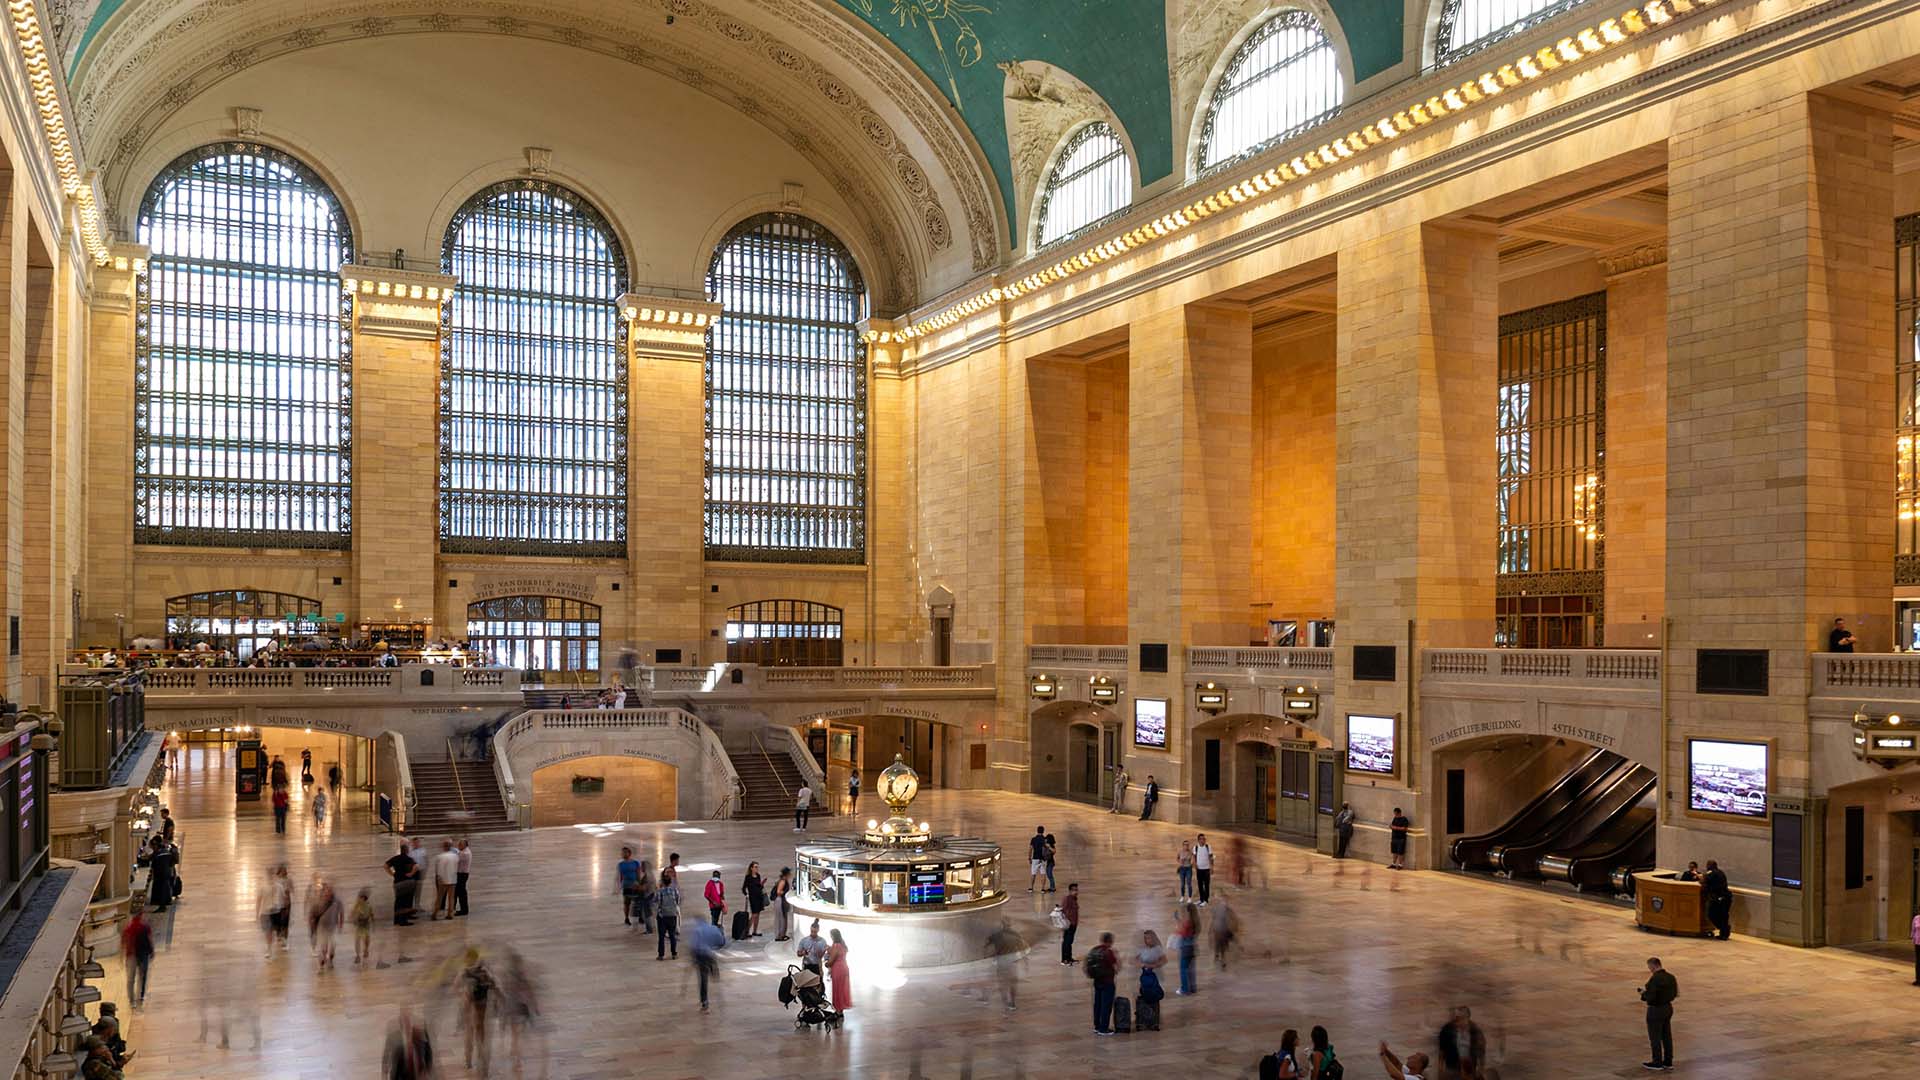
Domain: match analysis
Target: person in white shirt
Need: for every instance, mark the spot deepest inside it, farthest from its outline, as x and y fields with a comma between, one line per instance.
x=446, y=874
x=1203, y=868
x=1415, y=1067
x=1119, y=791
x=802, y=803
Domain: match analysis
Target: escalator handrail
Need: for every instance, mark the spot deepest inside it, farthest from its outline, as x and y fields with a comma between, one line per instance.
x=1633, y=781
x=1578, y=779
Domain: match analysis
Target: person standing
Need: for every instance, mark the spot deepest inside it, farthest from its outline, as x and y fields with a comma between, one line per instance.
x=1119, y=790
x=1719, y=898
x=166, y=824
x=446, y=874
x=1658, y=993
x=1203, y=868
x=755, y=888
x=1184, y=866
x=1321, y=1056
x=706, y=942
x=306, y=766
x=1052, y=851
x=1070, y=911
x=1186, y=934
x=320, y=809
x=838, y=972
x=281, y=804
x=160, y=874
x=802, y=806
x=136, y=944
x=716, y=894
x=666, y=919
x=627, y=873
x=853, y=792
x=812, y=950
x=1103, y=967
x=465, y=852
x=1397, y=844
x=1840, y=639
x=1151, y=797
x=362, y=926
x=782, y=914
x=1151, y=957
x=1342, y=830
x=406, y=879
x=1036, y=856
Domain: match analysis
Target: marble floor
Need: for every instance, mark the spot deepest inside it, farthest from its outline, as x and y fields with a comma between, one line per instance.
x=1369, y=953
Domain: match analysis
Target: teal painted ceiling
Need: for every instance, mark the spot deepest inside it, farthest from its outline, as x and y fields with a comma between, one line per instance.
x=1117, y=47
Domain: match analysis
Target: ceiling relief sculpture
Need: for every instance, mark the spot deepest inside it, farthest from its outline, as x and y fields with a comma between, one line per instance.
x=822, y=85
x=1043, y=104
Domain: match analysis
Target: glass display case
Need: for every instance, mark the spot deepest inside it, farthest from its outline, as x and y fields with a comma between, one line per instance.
x=948, y=873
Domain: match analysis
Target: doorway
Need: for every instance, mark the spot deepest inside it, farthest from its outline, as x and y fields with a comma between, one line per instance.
x=1083, y=762
x=1296, y=790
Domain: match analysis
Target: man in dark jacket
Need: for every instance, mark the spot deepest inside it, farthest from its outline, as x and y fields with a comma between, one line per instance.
x=1151, y=797
x=1659, y=993
x=162, y=867
x=1463, y=1046
x=1719, y=898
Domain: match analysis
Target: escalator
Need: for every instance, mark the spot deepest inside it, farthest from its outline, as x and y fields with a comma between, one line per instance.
x=1542, y=816
x=1621, y=791
x=1626, y=843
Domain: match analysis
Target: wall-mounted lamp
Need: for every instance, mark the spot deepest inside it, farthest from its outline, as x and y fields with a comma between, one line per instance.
x=1886, y=742
x=1210, y=699
x=1103, y=690
x=1301, y=704
x=1043, y=687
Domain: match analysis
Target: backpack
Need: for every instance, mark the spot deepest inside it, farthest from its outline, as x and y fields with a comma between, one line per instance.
x=1330, y=1067
x=1098, y=965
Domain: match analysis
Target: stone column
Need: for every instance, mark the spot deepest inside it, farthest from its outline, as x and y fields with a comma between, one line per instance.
x=1189, y=514
x=666, y=472
x=16, y=227
x=1636, y=468
x=44, y=582
x=1779, y=424
x=396, y=441
x=107, y=571
x=1414, y=518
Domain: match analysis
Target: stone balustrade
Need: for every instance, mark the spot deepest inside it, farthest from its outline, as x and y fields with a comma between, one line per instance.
x=1261, y=660
x=1635, y=669
x=1866, y=675
x=431, y=679
x=1078, y=656
x=719, y=680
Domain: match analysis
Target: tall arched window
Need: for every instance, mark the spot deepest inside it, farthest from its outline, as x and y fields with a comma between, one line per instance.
x=1471, y=25
x=1090, y=181
x=533, y=384
x=240, y=621
x=777, y=633
x=786, y=397
x=242, y=370
x=1283, y=79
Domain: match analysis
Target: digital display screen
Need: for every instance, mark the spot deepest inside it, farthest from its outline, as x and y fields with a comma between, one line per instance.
x=1370, y=743
x=927, y=887
x=1727, y=777
x=1786, y=850
x=1150, y=722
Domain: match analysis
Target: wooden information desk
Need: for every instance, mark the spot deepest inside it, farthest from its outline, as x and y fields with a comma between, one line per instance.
x=1661, y=901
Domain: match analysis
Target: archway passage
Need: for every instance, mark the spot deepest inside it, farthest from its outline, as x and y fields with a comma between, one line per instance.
x=1256, y=773
x=602, y=788
x=1075, y=746
x=1872, y=866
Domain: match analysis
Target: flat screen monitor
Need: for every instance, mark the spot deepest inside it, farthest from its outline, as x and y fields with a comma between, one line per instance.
x=927, y=887
x=1370, y=743
x=1150, y=722
x=1727, y=777
x=1787, y=830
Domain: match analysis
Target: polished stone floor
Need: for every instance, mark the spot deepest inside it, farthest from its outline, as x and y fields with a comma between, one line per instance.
x=1369, y=953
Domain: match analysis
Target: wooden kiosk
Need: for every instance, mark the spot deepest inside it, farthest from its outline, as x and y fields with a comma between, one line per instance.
x=1661, y=901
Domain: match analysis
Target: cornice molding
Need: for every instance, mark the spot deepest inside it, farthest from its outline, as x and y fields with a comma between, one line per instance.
x=395, y=303
x=1615, y=264
x=668, y=327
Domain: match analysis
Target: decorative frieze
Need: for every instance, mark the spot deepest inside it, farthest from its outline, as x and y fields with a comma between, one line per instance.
x=396, y=303
x=669, y=327
x=1629, y=260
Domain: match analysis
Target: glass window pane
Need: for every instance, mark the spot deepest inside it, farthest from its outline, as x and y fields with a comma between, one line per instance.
x=1091, y=181
x=1471, y=25
x=1283, y=79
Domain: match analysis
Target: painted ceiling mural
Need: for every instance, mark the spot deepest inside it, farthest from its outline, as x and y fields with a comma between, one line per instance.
x=1116, y=47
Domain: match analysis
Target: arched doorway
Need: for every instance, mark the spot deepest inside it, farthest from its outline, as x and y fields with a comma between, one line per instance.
x=537, y=634
x=240, y=621
x=1074, y=746
x=602, y=788
x=1256, y=772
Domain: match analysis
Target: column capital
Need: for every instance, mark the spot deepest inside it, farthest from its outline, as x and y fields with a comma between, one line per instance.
x=885, y=345
x=114, y=281
x=669, y=327
x=396, y=303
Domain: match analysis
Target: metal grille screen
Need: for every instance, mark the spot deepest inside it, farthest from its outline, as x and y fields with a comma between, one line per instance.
x=786, y=397
x=242, y=375
x=533, y=386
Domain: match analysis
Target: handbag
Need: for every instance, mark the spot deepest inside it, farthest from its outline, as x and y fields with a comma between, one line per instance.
x=1058, y=917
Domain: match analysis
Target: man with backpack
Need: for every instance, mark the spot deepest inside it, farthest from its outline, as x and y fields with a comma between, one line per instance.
x=1103, y=967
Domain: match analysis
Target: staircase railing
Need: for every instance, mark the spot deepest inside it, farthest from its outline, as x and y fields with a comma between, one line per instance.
x=777, y=778
x=453, y=766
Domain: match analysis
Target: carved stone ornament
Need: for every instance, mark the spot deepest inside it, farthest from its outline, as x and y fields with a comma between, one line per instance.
x=246, y=122
x=397, y=303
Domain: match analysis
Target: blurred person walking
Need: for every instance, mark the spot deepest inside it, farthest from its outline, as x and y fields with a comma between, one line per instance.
x=1186, y=934
x=707, y=940
x=1224, y=926
x=1120, y=779
x=136, y=944
x=627, y=883
x=1343, y=830
x=476, y=986
x=520, y=1011
x=409, y=1050
x=324, y=924
x=1462, y=1045
x=1006, y=947
x=276, y=908
x=362, y=917
x=281, y=804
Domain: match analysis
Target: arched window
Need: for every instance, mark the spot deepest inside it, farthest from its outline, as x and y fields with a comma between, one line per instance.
x=533, y=383
x=776, y=633
x=240, y=621
x=242, y=375
x=786, y=397
x=1090, y=181
x=536, y=633
x=1471, y=25
x=1283, y=79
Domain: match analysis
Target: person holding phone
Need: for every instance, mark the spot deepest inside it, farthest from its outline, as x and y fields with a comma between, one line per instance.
x=1660, y=990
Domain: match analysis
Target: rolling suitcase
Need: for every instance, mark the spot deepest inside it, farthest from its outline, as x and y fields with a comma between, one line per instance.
x=1147, y=1015
x=1122, y=1015
x=739, y=926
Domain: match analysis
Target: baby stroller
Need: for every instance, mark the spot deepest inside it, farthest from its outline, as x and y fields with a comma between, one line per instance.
x=805, y=985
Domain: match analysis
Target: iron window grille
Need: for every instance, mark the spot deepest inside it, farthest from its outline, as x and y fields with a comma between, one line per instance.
x=240, y=621
x=1467, y=26
x=1091, y=181
x=242, y=432
x=535, y=633
x=785, y=632
x=786, y=397
x=1284, y=79
x=1906, y=380
x=533, y=379
x=1550, y=444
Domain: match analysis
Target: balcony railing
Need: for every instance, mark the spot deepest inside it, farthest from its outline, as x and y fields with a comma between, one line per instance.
x=1631, y=669
x=1261, y=660
x=719, y=679
x=1866, y=674
x=1095, y=656
x=414, y=679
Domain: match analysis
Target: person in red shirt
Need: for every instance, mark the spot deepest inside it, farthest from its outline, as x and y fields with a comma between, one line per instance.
x=280, y=806
x=1070, y=908
x=136, y=944
x=716, y=897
